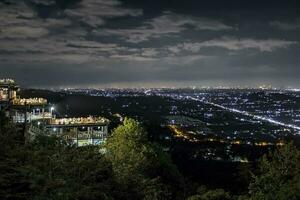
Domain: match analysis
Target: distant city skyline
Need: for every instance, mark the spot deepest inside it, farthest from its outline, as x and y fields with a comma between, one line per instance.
x=143, y=43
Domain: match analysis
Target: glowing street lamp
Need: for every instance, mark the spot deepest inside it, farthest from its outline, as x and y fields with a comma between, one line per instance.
x=51, y=110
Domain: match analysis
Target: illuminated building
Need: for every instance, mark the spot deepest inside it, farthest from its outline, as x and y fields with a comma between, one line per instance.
x=8, y=92
x=79, y=131
x=20, y=109
x=37, y=117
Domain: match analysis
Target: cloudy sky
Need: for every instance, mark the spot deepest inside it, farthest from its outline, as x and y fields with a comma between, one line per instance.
x=150, y=43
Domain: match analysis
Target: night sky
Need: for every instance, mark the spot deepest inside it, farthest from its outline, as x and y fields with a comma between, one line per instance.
x=150, y=43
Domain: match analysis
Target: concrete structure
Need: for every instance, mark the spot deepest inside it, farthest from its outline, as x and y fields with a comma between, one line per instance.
x=80, y=131
x=36, y=117
x=30, y=114
x=8, y=92
x=21, y=109
x=8, y=89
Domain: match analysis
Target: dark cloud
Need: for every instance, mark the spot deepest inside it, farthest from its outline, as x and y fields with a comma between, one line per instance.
x=152, y=43
x=286, y=25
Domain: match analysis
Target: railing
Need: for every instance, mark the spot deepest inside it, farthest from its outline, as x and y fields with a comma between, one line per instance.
x=79, y=121
x=31, y=101
x=20, y=117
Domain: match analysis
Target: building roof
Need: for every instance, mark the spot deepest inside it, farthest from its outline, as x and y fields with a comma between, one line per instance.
x=30, y=102
x=8, y=83
x=81, y=121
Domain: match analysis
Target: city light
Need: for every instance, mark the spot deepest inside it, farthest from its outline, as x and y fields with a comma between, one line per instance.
x=245, y=113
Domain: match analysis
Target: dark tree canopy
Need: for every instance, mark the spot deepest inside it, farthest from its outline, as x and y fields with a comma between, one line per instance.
x=128, y=166
x=155, y=177
x=279, y=175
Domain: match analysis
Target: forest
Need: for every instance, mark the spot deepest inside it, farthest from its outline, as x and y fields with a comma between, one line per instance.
x=127, y=166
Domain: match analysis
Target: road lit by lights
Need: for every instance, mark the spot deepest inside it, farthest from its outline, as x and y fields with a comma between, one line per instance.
x=245, y=113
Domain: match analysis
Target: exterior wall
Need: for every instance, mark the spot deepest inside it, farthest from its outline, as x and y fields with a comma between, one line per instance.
x=3, y=94
x=19, y=117
x=12, y=94
x=77, y=135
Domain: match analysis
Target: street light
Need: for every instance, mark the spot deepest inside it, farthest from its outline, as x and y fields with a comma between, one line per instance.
x=51, y=110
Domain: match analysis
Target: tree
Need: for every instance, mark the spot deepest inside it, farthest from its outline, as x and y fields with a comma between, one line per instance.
x=204, y=194
x=139, y=166
x=279, y=175
x=48, y=168
x=13, y=184
x=56, y=170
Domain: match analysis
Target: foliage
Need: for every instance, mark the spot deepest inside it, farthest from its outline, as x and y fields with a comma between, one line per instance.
x=58, y=171
x=50, y=169
x=47, y=168
x=131, y=167
x=279, y=175
x=204, y=194
x=131, y=153
x=12, y=182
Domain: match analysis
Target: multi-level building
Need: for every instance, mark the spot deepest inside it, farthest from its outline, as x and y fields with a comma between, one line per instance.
x=30, y=110
x=8, y=92
x=80, y=131
x=20, y=109
x=36, y=117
